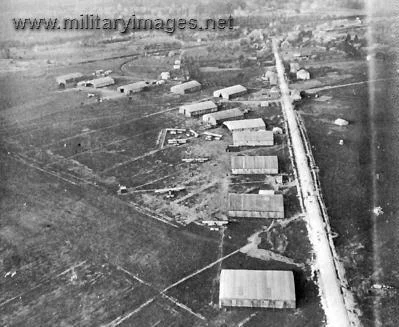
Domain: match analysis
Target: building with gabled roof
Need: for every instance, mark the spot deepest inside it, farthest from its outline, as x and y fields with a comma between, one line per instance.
x=254, y=165
x=198, y=109
x=253, y=138
x=188, y=87
x=256, y=205
x=257, y=289
x=230, y=92
x=245, y=125
x=133, y=87
x=70, y=78
x=98, y=82
x=222, y=116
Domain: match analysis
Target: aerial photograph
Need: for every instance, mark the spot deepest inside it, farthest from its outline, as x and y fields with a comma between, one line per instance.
x=210, y=163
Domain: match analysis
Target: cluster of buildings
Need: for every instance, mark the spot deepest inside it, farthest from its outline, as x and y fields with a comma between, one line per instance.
x=239, y=287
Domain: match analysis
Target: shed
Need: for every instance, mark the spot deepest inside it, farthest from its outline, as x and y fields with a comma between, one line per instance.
x=257, y=289
x=254, y=165
x=245, y=125
x=222, y=116
x=230, y=92
x=64, y=80
x=198, y=109
x=256, y=205
x=253, y=138
x=133, y=87
x=188, y=87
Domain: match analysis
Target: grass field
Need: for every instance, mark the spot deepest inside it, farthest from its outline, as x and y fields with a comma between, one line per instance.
x=79, y=254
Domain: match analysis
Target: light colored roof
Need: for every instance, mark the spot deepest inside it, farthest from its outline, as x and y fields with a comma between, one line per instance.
x=245, y=123
x=254, y=162
x=257, y=284
x=185, y=86
x=253, y=137
x=102, y=80
x=231, y=90
x=198, y=106
x=256, y=202
x=225, y=114
x=302, y=70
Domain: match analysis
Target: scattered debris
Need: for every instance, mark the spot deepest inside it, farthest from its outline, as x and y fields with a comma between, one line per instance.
x=212, y=136
x=378, y=211
x=195, y=160
x=170, y=189
x=177, y=141
x=122, y=189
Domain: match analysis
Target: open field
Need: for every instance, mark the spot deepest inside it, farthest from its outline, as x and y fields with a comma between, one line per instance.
x=77, y=253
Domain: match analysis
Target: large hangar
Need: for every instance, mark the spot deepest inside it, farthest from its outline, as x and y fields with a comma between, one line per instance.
x=257, y=289
x=198, y=109
x=255, y=124
x=254, y=165
x=253, y=138
x=256, y=205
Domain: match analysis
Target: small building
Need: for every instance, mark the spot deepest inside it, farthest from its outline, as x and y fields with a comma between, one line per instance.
x=295, y=95
x=133, y=87
x=230, y=92
x=271, y=77
x=245, y=125
x=256, y=206
x=248, y=165
x=176, y=67
x=71, y=78
x=257, y=289
x=165, y=75
x=198, y=109
x=294, y=67
x=253, y=138
x=303, y=74
x=98, y=82
x=219, y=117
x=285, y=44
x=188, y=87
x=273, y=93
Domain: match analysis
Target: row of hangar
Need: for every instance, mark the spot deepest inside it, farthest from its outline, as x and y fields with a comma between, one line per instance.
x=242, y=287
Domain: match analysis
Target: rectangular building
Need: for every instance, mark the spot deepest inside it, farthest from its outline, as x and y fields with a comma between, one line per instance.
x=133, y=87
x=71, y=78
x=217, y=118
x=257, y=289
x=188, y=87
x=230, y=92
x=98, y=82
x=254, y=165
x=245, y=125
x=198, y=109
x=253, y=138
x=256, y=206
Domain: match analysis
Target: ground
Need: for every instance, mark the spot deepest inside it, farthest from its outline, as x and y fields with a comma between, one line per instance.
x=74, y=252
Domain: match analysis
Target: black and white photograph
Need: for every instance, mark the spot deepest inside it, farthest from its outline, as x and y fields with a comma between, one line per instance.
x=209, y=163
